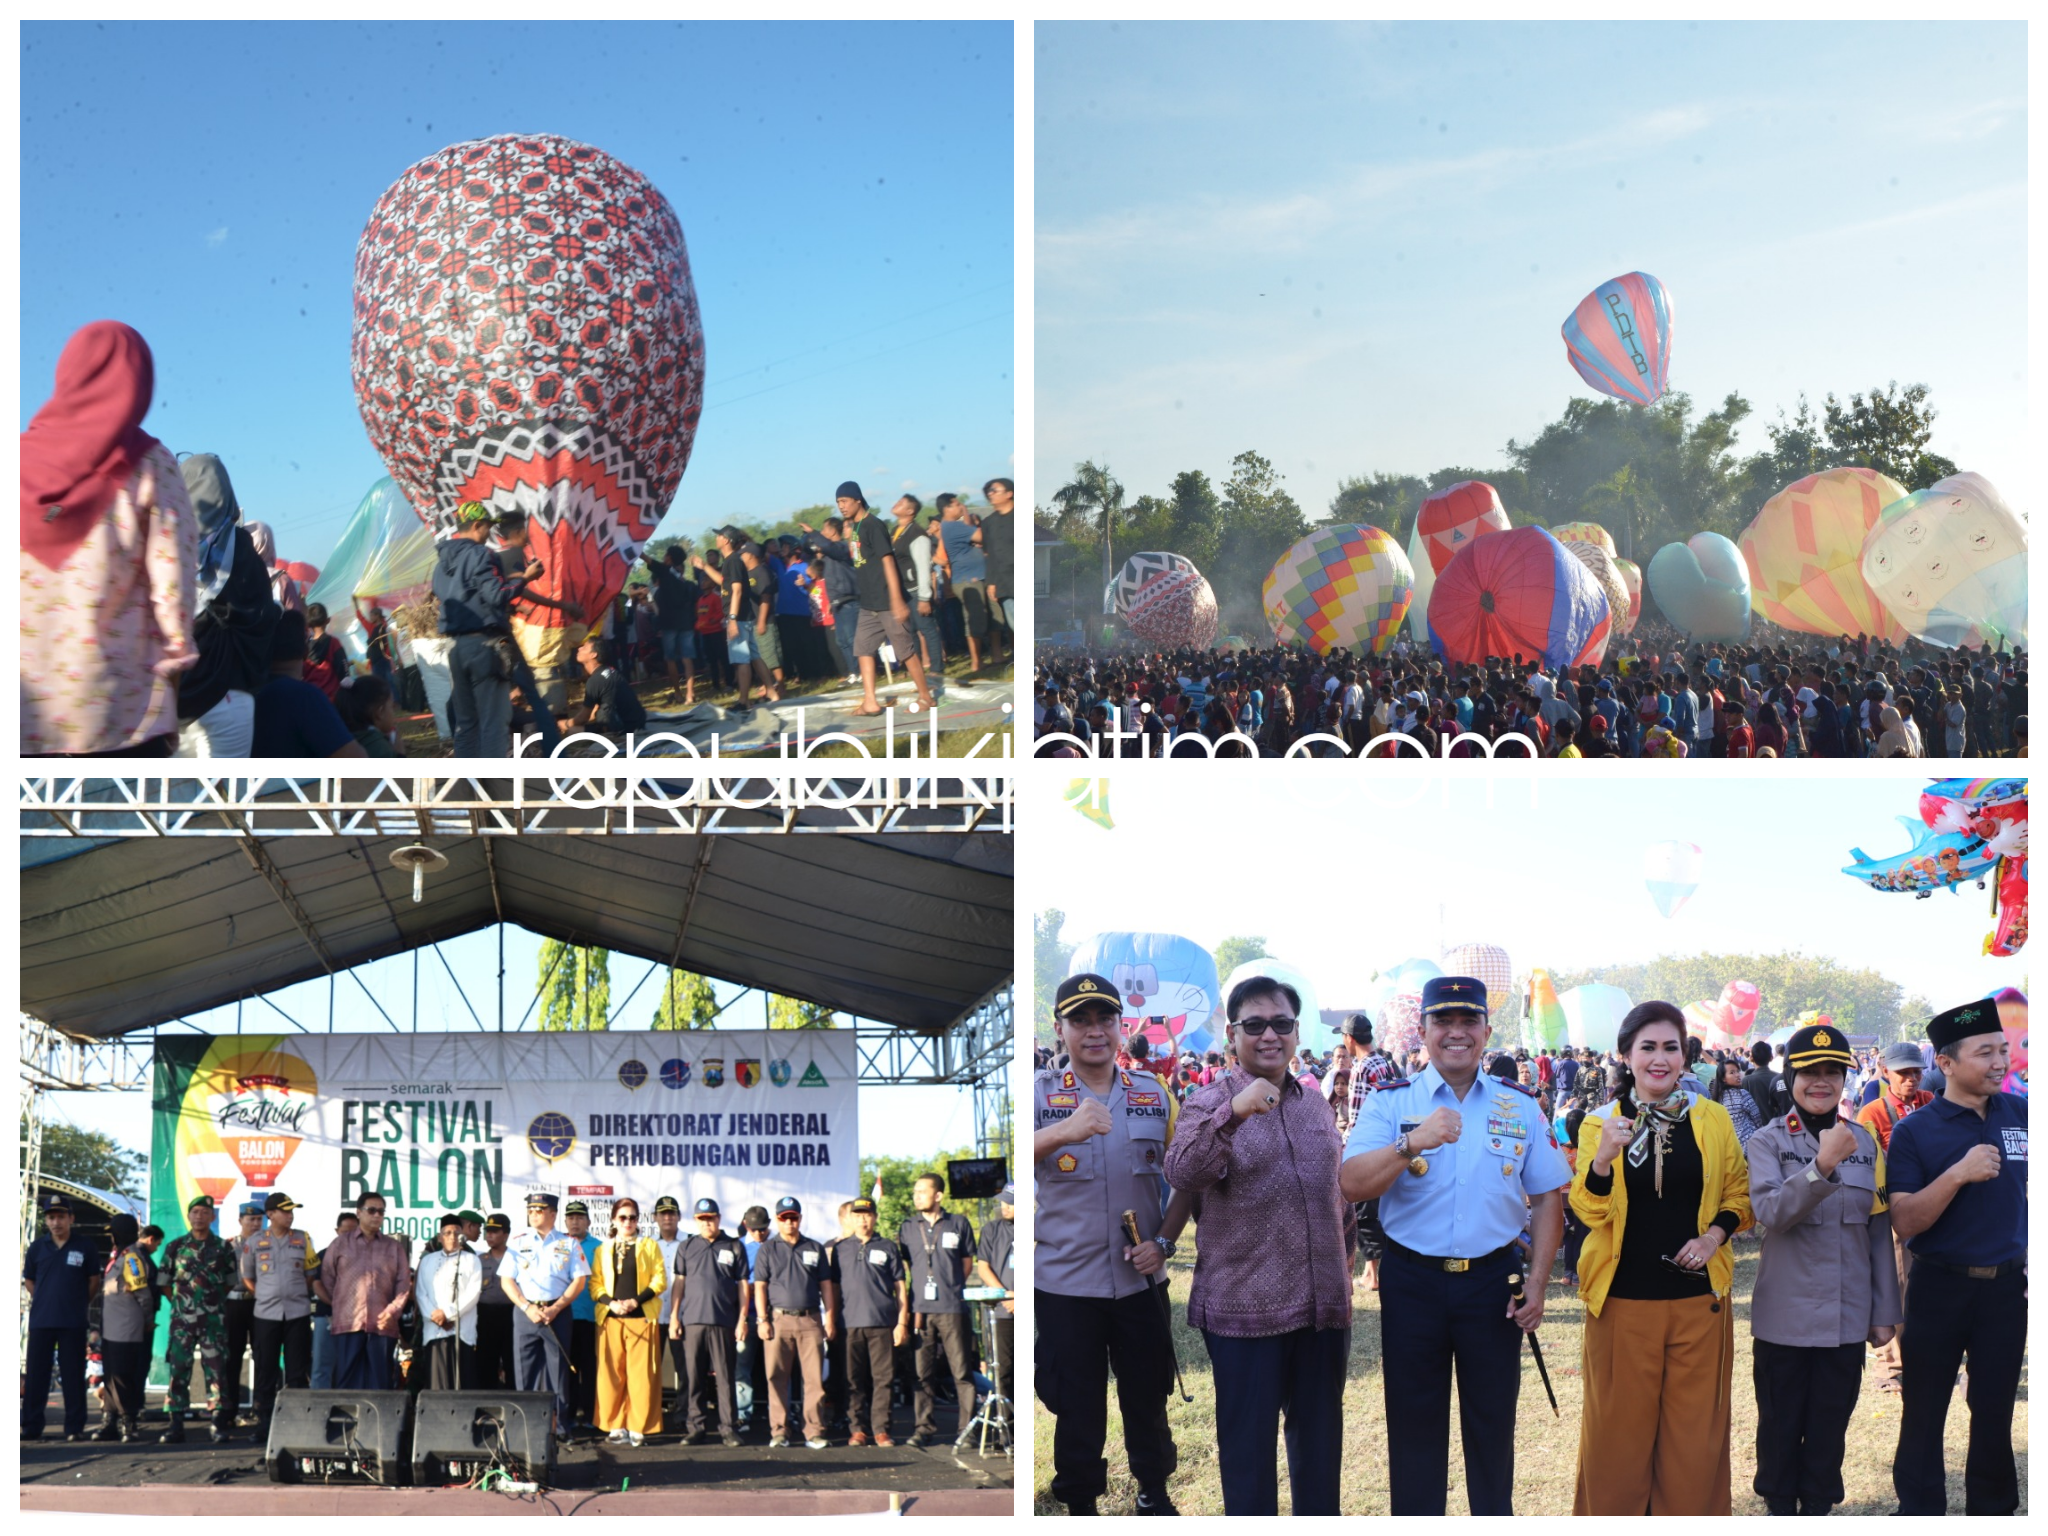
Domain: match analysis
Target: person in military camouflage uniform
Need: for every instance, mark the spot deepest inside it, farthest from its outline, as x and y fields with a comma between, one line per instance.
x=196, y=1271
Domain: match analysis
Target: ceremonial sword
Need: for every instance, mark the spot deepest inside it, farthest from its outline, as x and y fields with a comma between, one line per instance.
x=1536, y=1349
x=1165, y=1305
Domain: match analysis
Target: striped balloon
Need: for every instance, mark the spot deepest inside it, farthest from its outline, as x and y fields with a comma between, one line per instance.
x=1345, y=585
x=1804, y=551
x=1519, y=593
x=1619, y=338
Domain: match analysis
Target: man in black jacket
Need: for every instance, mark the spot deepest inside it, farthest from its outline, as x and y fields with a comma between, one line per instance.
x=476, y=600
x=840, y=590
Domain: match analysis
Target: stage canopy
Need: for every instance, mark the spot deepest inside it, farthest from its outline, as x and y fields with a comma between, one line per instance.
x=909, y=929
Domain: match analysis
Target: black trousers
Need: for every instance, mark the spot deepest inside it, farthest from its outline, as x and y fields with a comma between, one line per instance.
x=269, y=1337
x=870, y=1355
x=1804, y=1401
x=68, y=1347
x=494, y=1369
x=583, y=1356
x=706, y=1364
x=126, y=1368
x=1431, y=1323
x=451, y=1365
x=1950, y=1318
x=1300, y=1374
x=945, y=1342
x=837, y=1386
x=1004, y=1366
x=1080, y=1340
x=241, y=1318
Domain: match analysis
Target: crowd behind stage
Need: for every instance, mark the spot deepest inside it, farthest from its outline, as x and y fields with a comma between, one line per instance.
x=771, y=1334
x=1887, y=1186
x=1660, y=696
x=156, y=621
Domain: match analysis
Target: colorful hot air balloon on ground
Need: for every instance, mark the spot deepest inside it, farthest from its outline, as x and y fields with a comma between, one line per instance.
x=1519, y=593
x=1632, y=578
x=1804, y=551
x=1425, y=583
x=1345, y=585
x=1725, y=1023
x=1702, y=586
x=1585, y=533
x=1398, y=1025
x=1165, y=600
x=1593, y=1015
x=1950, y=563
x=1168, y=984
x=1596, y=559
x=1671, y=872
x=1619, y=338
x=526, y=336
x=1450, y=519
x=1543, y=1025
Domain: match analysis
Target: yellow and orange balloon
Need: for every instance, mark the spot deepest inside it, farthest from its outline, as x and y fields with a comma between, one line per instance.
x=1805, y=549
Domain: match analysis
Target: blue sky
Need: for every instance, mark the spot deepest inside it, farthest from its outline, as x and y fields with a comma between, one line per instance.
x=1351, y=247
x=894, y=1122
x=845, y=192
x=1348, y=875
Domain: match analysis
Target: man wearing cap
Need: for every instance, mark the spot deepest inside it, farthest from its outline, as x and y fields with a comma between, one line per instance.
x=583, y=1319
x=368, y=1282
x=472, y=1230
x=60, y=1269
x=1826, y=1285
x=1462, y=1165
x=449, y=1284
x=280, y=1270
x=196, y=1272
x=627, y=1278
x=793, y=1285
x=494, y=1367
x=240, y=1310
x=875, y=1310
x=668, y=1216
x=1098, y=1148
x=939, y=1246
x=995, y=1265
x=709, y=1302
x=883, y=593
x=476, y=607
x=1958, y=1172
x=1898, y=1094
x=548, y=1269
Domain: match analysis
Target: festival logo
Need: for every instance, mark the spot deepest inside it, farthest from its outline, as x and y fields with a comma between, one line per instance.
x=260, y=1103
x=747, y=1070
x=632, y=1074
x=552, y=1136
x=675, y=1073
x=812, y=1078
x=778, y=1073
x=714, y=1072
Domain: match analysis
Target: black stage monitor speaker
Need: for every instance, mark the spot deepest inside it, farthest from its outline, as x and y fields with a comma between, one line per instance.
x=355, y=1437
x=976, y=1178
x=456, y=1435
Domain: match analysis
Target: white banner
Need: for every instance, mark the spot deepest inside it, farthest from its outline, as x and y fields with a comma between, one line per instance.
x=436, y=1123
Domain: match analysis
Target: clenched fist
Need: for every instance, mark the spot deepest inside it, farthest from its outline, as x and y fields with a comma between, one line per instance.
x=1255, y=1098
x=1978, y=1164
x=1836, y=1143
x=1615, y=1136
x=1441, y=1126
x=1091, y=1119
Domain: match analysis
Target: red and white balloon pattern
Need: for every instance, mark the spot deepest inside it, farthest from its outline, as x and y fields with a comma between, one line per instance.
x=1165, y=600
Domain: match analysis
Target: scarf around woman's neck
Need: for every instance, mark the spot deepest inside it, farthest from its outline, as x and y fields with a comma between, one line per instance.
x=1654, y=1126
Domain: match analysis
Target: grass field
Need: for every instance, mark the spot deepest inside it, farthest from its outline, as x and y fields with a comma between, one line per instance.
x=1546, y=1448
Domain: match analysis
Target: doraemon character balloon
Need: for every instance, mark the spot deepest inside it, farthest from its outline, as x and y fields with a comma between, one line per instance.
x=1804, y=551
x=1950, y=563
x=1168, y=984
x=1619, y=338
x=1702, y=586
x=1165, y=600
x=1519, y=593
x=526, y=336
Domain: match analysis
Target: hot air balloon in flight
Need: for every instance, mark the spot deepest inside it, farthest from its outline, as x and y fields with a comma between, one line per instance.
x=1950, y=563
x=1671, y=872
x=1619, y=338
x=1804, y=550
x=1519, y=593
x=1168, y=985
x=1450, y=519
x=1597, y=559
x=526, y=336
x=1702, y=586
x=1593, y=1014
x=1344, y=585
x=1165, y=600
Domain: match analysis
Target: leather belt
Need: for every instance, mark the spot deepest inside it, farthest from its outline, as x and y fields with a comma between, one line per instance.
x=793, y=1312
x=1973, y=1271
x=1449, y=1266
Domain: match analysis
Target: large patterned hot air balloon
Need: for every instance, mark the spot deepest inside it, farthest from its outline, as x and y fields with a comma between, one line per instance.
x=1950, y=563
x=1585, y=533
x=1344, y=585
x=1600, y=562
x=1703, y=587
x=526, y=335
x=1519, y=593
x=1450, y=519
x=1165, y=600
x=1619, y=338
x=1804, y=551
x=1489, y=965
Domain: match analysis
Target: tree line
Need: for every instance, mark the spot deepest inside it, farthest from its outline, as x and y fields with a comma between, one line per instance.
x=575, y=993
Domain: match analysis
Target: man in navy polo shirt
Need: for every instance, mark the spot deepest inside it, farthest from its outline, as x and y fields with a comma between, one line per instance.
x=1958, y=1177
x=61, y=1268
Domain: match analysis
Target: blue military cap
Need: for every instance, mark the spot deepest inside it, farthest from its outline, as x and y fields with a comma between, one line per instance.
x=252, y=1207
x=542, y=1197
x=1444, y=992
x=707, y=1207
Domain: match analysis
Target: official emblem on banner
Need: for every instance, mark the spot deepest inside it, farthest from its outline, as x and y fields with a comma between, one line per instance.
x=747, y=1071
x=632, y=1074
x=812, y=1078
x=551, y=1135
x=713, y=1072
x=675, y=1073
x=778, y=1073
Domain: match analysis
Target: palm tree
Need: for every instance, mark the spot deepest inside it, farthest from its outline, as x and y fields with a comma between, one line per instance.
x=1096, y=494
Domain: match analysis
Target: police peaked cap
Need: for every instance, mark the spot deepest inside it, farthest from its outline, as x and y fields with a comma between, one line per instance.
x=1085, y=988
x=1817, y=1043
x=1441, y=993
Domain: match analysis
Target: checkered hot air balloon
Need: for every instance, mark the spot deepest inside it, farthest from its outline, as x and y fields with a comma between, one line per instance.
x=1164, y=600
x=1519, y=593
x=1345, y=585
x=1804, y=550
x=1619, y=338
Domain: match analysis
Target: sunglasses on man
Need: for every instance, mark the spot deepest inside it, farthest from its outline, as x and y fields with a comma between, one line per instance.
x=1280, y=1024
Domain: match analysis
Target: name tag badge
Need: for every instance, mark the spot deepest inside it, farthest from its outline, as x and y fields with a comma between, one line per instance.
x=810, y=1261
x=725, y=1257
x=75, y=1260
x=879, y=1257
x=931, y=1290
x=949, y=1239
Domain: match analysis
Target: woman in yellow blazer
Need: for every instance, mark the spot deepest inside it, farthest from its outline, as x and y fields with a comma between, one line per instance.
x=1661, y=1186
x=627, y=1281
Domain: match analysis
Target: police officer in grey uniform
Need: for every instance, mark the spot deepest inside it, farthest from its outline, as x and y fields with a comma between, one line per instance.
x=280, y=1268
x=1096, y=1155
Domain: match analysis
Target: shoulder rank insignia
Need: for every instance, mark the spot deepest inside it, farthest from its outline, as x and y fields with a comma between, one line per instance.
x=1392, y=1082
x=1067, y=1079
x=1123, y=1076
x=1792, y=1123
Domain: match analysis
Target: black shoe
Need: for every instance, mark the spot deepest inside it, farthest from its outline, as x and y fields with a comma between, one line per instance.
x=1153, y=1501
x=75, y=1439
x=1081, y=1507
x=175, y=1435
x=107, y=1431
x=31, y=1434
x=919, y=1441
x=222, y=1434
x=130, y=1432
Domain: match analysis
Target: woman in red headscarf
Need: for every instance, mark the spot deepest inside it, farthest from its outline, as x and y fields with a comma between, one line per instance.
x=109, y=551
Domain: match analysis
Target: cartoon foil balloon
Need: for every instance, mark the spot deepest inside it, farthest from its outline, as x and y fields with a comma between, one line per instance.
x=2012, y=1023
x=1804, y=550
x=1995, y=811
x=1950, y=563
x=1519, y=593
x=1936, y=860
x=526, y=335
x=1344, y=585
x=1165, y=600
x=1168, y=985
x=1619, y=338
